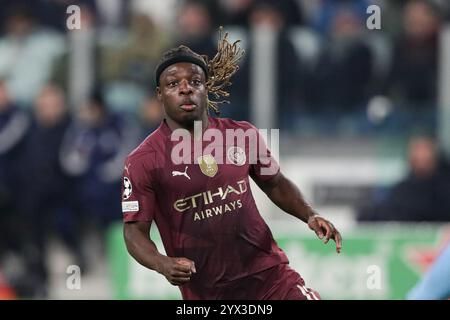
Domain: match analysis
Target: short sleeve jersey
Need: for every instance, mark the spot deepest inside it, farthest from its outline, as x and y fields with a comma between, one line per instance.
x=201, y=202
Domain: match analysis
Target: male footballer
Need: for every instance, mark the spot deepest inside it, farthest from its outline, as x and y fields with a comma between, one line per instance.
x=218, y=246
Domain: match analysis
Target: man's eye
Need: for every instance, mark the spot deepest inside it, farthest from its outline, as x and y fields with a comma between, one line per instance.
x=196, y=82
x=172, y=83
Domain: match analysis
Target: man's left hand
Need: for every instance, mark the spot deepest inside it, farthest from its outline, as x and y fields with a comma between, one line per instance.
x=325, y=230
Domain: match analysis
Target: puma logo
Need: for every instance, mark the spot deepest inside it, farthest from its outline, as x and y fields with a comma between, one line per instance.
x=127, y=167
x=179, y=173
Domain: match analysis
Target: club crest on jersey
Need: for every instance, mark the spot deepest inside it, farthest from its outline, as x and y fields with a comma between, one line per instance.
x=236, y=156
x=208, y=165
x=127, y=188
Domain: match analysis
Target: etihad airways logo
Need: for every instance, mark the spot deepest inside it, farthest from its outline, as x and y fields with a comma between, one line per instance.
x=210, y=197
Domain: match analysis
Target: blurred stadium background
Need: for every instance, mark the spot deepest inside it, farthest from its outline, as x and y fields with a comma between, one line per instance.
x=364, y=119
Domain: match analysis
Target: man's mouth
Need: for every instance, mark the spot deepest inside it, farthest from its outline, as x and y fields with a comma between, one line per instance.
x=188, y=106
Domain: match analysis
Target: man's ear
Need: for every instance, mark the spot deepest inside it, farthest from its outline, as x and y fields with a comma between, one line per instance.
x=158, y=93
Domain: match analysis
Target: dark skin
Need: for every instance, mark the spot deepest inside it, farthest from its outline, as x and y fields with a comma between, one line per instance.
x=183, y=94
x=182, y=86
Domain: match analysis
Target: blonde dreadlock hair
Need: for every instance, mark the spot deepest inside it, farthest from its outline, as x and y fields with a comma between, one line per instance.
x=221, y=68
x=218, y=70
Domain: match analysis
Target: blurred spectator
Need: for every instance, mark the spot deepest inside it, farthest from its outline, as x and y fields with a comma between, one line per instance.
x=267, y=18
x=78, y=68
x=292, y=12
x=45, y=189
x=412, y=82
x=14, y=124
x=53, y=13
x=237, y=12
x=127, y=70
x=267, y=15
x=195, y=28
x=310, y=9
x=392, y=13
x=112, y=13
x=341, y=81
x=93, y=152
x=424, y=195
x=328, y=9
x=137, y=56
x=97, y=55
x=163, y=13
x=27, y=54
x=151, y=114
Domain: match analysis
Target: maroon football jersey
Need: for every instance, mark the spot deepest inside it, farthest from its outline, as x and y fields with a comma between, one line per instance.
x=204, y=208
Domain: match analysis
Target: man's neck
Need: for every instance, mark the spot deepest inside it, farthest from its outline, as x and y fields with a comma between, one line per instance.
x=174, y=125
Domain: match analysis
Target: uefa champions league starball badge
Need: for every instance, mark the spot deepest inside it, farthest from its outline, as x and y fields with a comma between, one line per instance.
x=127, y=189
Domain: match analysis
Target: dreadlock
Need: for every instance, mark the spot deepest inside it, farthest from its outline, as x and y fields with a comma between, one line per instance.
x=221, y=68
x=218, y=70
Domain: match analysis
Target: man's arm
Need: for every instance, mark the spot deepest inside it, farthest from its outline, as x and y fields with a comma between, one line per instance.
x=285, y=194
x=137, y=239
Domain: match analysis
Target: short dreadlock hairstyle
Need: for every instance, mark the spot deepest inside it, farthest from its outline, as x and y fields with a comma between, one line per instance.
x=218, y=70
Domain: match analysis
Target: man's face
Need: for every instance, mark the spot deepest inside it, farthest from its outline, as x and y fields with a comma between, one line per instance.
x=183, y=93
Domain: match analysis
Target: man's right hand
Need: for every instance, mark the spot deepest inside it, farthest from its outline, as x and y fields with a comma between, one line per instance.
x=177, y=271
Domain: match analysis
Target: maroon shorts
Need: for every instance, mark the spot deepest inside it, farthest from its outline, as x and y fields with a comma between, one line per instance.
x=277, y=283
x=284, y=283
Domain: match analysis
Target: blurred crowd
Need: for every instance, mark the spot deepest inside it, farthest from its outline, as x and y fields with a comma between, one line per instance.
x=329, y=65
x=73, y=103
x=423, y=195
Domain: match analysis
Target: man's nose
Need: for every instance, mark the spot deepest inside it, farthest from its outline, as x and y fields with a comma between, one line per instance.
x=185, y=88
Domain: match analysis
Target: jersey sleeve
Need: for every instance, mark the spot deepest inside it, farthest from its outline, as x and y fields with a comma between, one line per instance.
x=138, y=194
x=264, y=166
